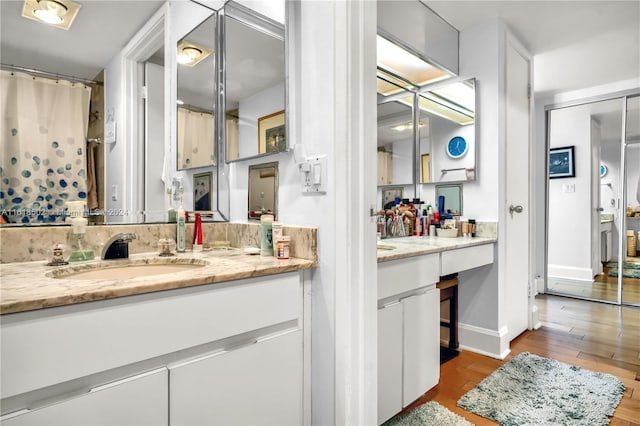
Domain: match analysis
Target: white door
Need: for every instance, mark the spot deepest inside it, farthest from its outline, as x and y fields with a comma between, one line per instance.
x=421, y=344
x=389, y=361
x=138, y=400
x=518, y=301
x=258, y=384
x=154, y=195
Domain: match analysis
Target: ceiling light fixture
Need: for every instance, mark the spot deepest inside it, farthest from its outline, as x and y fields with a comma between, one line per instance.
x=406, y=126
x=190, y=54
x=57, y=13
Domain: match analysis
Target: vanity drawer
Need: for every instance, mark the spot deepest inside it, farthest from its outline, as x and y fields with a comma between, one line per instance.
x=402, y=275
x=466, y=258
x=50, y=346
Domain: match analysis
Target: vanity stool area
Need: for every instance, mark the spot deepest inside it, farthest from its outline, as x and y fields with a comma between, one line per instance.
x=410, y=290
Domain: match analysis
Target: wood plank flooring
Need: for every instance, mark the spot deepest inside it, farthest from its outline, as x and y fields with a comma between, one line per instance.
x=596, y=336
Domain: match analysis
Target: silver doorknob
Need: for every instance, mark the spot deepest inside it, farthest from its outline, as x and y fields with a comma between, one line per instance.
x=517, y=209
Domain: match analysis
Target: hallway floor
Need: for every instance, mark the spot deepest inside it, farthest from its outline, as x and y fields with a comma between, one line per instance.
x=596, y=336
x=603, y=287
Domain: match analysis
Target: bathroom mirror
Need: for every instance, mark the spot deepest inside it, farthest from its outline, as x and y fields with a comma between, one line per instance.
x=396, y=139
x=105, y=56
x=254, y=85
x=452, y=197
x=448, y=133
x=196, y=96
x=263, y=190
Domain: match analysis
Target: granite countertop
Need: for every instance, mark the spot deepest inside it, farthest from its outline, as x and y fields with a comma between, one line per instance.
x=29, y=286
x=416, y=246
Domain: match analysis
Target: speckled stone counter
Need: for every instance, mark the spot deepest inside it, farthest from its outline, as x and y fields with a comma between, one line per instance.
x=400, y=248
x=28, y=286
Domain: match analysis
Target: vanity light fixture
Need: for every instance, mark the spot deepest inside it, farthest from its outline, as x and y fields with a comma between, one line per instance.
x=454, y=102
x=190, y=54
x=57, y=13
x=398, y=61
x=407, y=126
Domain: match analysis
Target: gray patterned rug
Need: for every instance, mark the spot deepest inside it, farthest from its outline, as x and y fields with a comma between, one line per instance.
x=428, y=414
x=532, y=390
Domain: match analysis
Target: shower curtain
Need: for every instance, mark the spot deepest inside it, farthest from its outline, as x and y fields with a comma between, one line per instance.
x=42, y=138
x=195, y=139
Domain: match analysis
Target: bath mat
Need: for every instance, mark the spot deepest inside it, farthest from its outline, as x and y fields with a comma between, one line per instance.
x=428, y=414
x=532, y=390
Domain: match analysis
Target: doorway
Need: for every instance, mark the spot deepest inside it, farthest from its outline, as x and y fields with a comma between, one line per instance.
x=593, y=163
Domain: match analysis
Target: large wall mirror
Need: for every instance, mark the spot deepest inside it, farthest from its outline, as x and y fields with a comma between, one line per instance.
x=447, y=149
x=254, y=86
x=83, y=155
x=196, y=96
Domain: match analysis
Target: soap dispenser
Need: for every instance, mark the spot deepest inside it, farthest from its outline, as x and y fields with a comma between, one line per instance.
x=181, y=219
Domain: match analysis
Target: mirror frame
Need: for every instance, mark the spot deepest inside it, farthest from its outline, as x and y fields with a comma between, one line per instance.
x=263, y=24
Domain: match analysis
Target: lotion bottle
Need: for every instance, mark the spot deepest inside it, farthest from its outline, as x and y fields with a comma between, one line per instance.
x=181, y=218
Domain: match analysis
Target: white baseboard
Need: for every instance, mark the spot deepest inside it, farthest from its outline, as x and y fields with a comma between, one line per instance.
x=570, y=273
x=484, y=341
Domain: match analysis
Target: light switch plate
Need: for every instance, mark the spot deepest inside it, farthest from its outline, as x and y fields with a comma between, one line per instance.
x=568, y=188
x=314, y=181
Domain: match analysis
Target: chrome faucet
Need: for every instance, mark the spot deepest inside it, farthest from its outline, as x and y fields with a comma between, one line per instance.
x=118, y=246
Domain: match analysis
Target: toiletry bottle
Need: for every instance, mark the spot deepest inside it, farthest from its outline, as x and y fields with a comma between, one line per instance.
x=276, y=234
x=181, y=226
x=418, y=225
x=266, y=235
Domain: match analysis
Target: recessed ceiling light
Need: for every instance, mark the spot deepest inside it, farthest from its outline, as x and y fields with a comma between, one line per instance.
x=57, y=13
x=190, y=54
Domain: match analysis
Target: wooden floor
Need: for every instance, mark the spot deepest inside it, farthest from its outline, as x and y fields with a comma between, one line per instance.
x=596, y=336
x=603, y=287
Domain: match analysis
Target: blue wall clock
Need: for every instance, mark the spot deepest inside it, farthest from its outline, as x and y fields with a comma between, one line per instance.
x=603, y=170
x=457, y=147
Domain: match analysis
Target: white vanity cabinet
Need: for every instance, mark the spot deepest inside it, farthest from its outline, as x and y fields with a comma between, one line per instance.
x=196, y=355
x=138, y=400
x=408, y=332
x=255, y=384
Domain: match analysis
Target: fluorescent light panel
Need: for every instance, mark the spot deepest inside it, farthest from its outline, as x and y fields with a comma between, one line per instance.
x=407, y=65
x=445, y=110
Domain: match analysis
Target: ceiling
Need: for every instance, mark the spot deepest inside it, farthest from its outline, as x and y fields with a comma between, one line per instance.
x=576, y=44
x=101, y=29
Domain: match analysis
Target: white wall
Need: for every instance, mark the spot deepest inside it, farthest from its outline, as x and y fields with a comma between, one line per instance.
x=610, y=157
x=570, y=212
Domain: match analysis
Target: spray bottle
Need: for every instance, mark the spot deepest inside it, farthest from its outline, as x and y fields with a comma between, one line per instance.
x=181, y=218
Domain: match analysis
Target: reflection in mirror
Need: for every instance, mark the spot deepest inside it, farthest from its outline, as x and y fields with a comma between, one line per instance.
x=449, y=134
x=254, y=84
x=396, y=140
x=263, y=190
x=452, y=194
x=196, y=96
x=93, y=160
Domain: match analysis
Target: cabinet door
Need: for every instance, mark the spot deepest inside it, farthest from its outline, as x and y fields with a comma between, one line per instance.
x=258, y=384
x=389, y=361
x=421, y=344
x=138, y=400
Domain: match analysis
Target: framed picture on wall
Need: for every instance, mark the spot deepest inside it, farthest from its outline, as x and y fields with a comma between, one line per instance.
x=272, y=133
x=202, y=197
x=561, y=164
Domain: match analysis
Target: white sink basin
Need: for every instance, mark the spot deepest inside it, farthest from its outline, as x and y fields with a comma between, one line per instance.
x=119, y=270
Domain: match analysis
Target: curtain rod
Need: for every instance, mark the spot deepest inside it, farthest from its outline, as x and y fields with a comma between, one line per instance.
x=50, y=74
